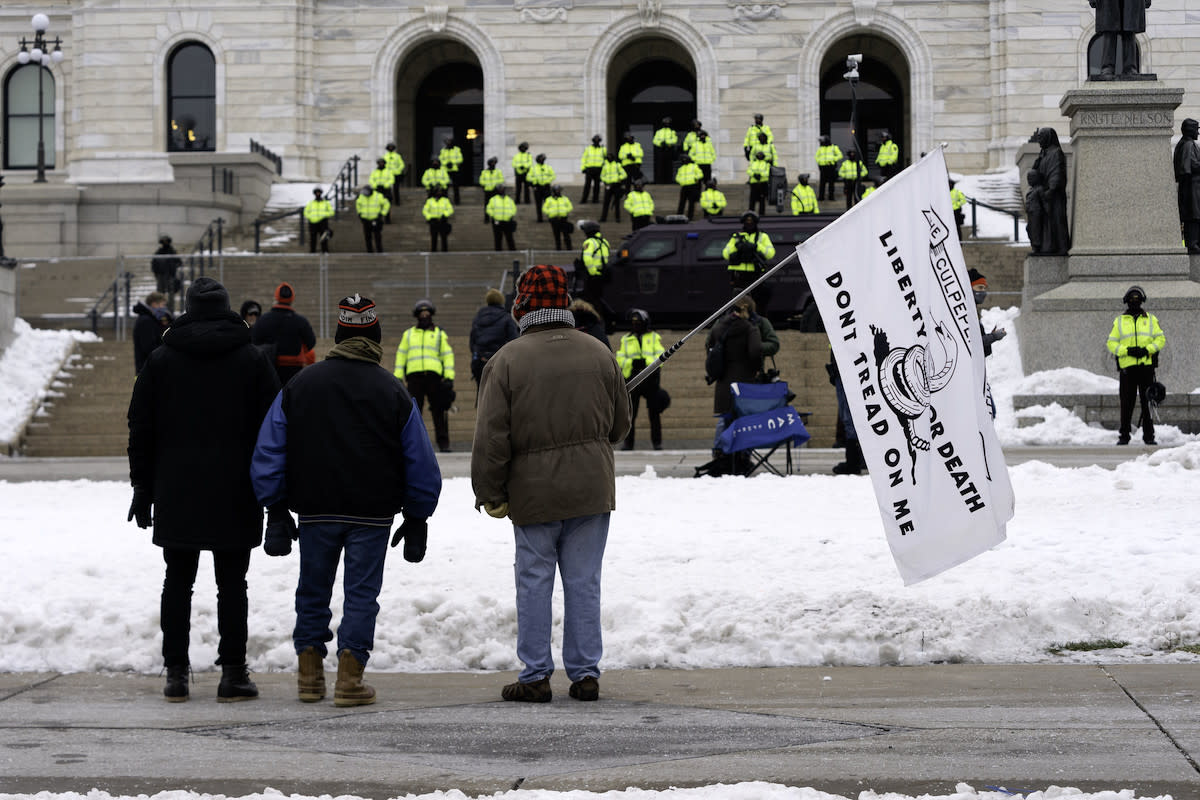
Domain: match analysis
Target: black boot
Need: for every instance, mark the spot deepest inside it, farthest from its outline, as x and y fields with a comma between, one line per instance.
x=854, y=463
x=235, y=684
x=176, y=690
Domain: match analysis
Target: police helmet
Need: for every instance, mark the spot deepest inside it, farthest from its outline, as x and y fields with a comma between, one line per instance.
x=589, y=227
x=596, y=139
x=666, y=121
x=824, y=141
x=492, y=161
x=423, y=305
x=758, y=117
x=317, y=191
x=1156, y=393
x=638, y=313
x=1134, y=291
x=748, y=215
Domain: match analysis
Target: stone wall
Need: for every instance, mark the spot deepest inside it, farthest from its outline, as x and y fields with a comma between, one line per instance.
x=1180, y=410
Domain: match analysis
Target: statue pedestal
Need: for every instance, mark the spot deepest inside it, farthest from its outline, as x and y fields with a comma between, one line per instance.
x=1124, y=230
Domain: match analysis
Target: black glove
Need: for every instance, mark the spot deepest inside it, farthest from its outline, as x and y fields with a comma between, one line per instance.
x=1137, y=352
x=281, y=530
x=448, y=383
x=139, y=509
x=414, y=531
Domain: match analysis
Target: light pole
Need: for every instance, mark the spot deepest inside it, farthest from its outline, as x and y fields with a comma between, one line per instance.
x=38, y=52
x=851, y=75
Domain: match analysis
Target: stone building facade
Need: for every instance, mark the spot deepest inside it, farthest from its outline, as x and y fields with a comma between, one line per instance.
x=317, y=82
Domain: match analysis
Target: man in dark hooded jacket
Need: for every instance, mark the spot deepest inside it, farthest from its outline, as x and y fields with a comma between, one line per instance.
x=153, y=317
x=193, y=420
x=492, y=328
x=287, y=334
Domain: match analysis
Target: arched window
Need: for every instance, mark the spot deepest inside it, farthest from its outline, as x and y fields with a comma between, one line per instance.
x=191, y=98
x=21, y=114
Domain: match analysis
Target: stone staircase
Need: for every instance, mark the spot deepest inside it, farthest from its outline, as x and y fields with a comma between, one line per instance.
x=87, y=417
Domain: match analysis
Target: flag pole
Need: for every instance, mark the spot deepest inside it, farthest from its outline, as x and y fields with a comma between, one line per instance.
x=670, y=351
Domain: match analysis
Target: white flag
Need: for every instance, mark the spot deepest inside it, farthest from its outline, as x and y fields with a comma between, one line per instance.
x=892, y=288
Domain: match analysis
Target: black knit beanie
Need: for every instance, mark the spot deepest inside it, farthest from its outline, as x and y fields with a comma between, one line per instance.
x=207, y=297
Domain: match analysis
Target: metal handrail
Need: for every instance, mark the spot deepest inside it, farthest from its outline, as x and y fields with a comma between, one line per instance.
x=114, y=289
x=203, y=250
x=258, y=223
x=340, y=193
x=975, y=217
x=256, y=147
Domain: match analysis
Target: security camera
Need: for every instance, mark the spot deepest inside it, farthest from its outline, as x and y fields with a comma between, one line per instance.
x=853, y=61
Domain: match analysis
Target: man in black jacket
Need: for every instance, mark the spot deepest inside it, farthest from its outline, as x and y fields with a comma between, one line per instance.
x=345, y=448
x=152, y=319
x=286, y=334
x=193, y=420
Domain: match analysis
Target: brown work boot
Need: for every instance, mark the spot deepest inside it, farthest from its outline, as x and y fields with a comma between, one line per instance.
x=311, y=678
x=587, y=688
x=350, y=689
x=532, y=692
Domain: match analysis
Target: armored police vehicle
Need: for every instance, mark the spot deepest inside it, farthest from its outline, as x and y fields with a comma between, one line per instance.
x=674, y=269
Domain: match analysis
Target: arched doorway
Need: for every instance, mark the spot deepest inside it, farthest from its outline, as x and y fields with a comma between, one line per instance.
x=882, y=92
x=650, y=78
x=439, y=93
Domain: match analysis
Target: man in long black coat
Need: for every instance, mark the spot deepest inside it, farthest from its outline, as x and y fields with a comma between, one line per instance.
x=1187, y=176
x=193, y=421
x=1119, y=18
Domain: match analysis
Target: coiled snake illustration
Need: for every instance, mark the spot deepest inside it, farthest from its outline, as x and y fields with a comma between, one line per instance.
x=907, y=384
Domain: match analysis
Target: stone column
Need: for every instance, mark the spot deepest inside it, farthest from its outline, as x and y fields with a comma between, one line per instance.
x=1124, y=231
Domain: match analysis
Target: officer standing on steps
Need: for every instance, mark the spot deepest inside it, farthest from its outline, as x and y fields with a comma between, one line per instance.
x=747, y=253
x=666, y=143
x=383, y=181
x=522, y=162
x=754, y=136
x=318, y=212
x=437, y=212
x=593, y=261
x=489, y=179
x=541, y=177
x=1136, y=340
x=590, y=164
x=712, y=199
x=631, y=158
x=502, y=211
x=829, y=155
x=613, y=176
x=640, y=205
x=557, y=207
x=425, y=362
x=804, y=199
x=688, y=176
x=888, y=157
x=639, y=348
x=395, y=163
x=452, y=159
x=372, y=208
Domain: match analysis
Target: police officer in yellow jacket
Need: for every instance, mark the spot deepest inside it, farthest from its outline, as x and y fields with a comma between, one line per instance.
x=395, y=163
x=541, y=178
x=502, y=211
x=452, y=158
x=689, y=177
x=852, y=171
x=372, y=208
x=666, y=144
x=804, y=199
x=557, y=207
x=639, y=348
x=712, y=199
x=703, y=153
x=758, y=175
x=828, y=157
x=888, y=156
x=318, y=212
x=754, y=136
x=425, y=362
x=640, y=205
x=437, y=212
x=590, y=164
x=613, y=176
x=489, y=179
x=435, y=177
x=1136, y=340
x=631, y=156
x=383, y=181
x=593, y=262
x=522, y=162
x=747, y=252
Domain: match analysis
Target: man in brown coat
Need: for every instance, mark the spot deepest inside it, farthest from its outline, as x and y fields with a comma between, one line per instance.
x=552, y=404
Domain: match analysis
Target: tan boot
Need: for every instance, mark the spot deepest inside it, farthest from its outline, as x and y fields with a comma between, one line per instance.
x=311, y=678
x=350, y=689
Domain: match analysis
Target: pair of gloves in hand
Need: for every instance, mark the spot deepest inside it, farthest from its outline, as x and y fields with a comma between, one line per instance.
x=1137, y=352
x=281, y=531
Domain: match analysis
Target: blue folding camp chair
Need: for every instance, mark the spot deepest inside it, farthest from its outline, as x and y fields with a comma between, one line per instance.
x=759, y=424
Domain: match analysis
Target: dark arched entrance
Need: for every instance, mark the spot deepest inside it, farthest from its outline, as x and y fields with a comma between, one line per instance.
x=882, y=92
x=651, y=78
x=439, y=91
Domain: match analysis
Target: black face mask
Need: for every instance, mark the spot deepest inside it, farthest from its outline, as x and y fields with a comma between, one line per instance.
x=980, y=297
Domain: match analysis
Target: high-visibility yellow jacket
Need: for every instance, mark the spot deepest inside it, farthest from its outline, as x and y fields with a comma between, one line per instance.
x=751, y=138
x=489, y=179
x=639, y=204
x=540, y=175
x=889, y=153
x=1142, y=331
x=846, y=170
x=381, y=178
x=437, y=208
x=451, y=158
x=595, y=254
x=665, y=137
x=828, y=155
x=593, y=156
x=648, y=348
x=713, y=201
x=689, y=140
x=762, y=243
x=501, y=208
x=768, y=148
x=957, y=198
x=863, y=194
x=630, y=153
x=688, y=174
x=758, y=171
x=433, y=178
x=394, y=161
x=612, y=172
x=372, y=206
x=703, y=152
x=557, y=207
x=424, y=350
x=804, y=200
x=316, y=210
x=522, y=162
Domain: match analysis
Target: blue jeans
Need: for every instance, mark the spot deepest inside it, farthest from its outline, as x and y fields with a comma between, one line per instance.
x=576, y=547
x=321, y=547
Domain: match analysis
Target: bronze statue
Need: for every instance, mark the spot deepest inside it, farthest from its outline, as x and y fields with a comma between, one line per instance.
x=1035, y=211
x=1051, y=166
x=1119, y=18
x=1187, y=176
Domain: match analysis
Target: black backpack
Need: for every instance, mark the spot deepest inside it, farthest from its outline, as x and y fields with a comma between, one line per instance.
x=714, y=361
